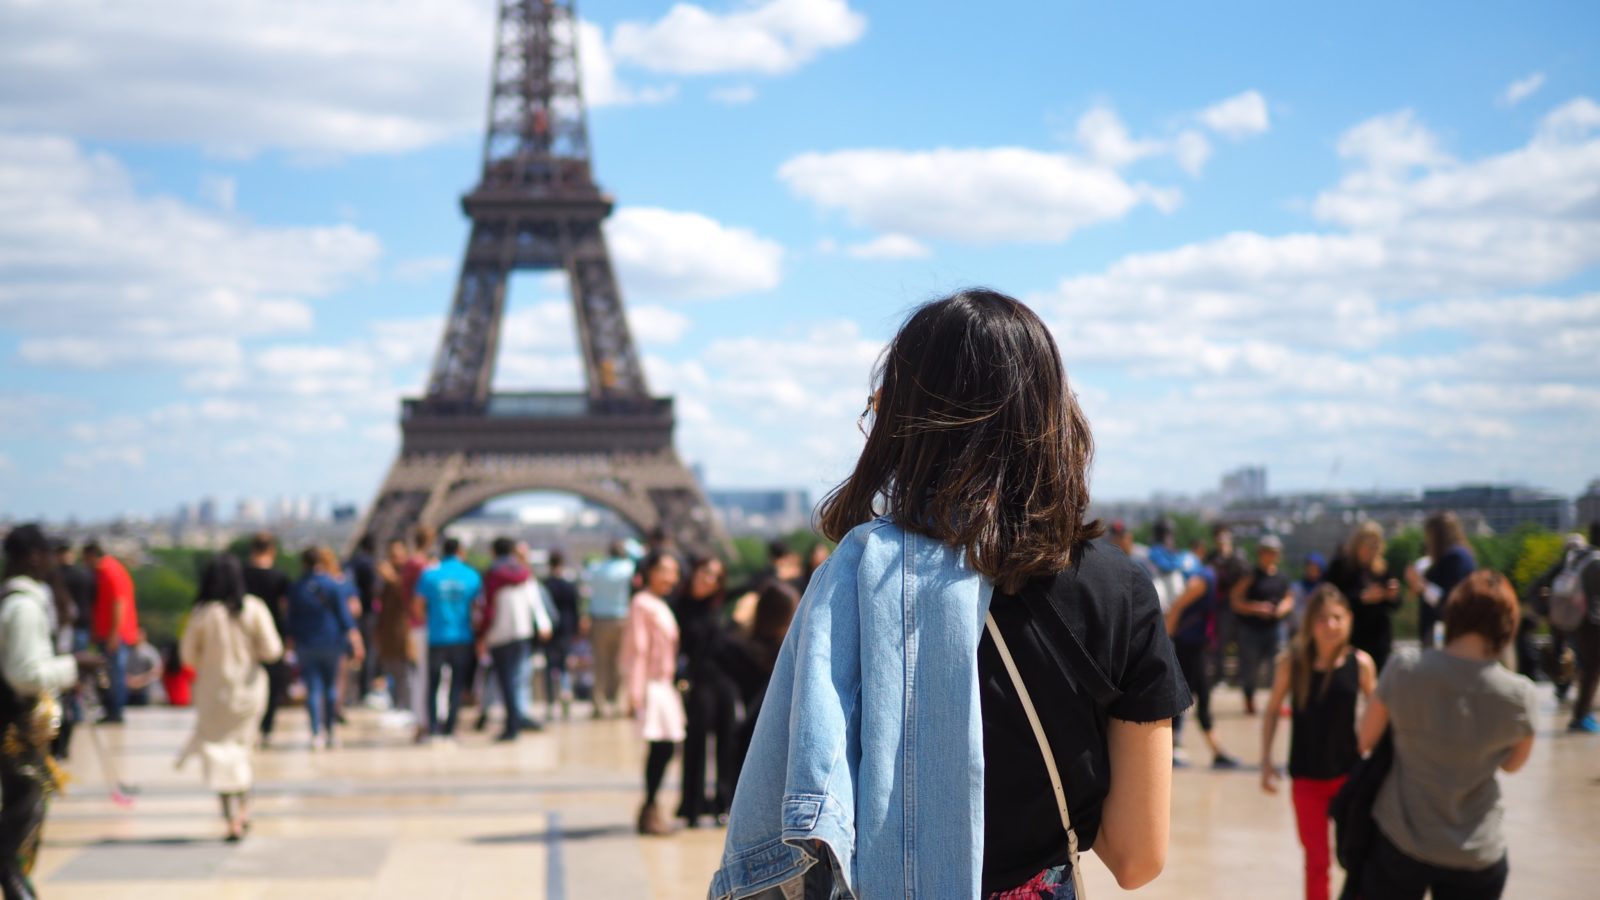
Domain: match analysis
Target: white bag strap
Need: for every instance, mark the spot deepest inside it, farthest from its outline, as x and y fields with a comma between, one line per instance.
x=1044, y=749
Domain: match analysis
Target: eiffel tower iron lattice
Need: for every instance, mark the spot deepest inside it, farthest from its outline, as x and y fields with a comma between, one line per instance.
x=537, y=206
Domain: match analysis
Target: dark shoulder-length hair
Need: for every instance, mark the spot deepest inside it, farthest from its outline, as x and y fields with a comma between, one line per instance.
x=977, y=441
x=222, y=581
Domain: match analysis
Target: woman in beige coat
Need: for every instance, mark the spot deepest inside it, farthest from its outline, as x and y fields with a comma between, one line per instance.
x=229, y=637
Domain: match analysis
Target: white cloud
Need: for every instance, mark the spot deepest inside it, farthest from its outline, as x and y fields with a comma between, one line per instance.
x=85, y=256
x=890, y=246
x=602, y=86
x=348, y=77
x=1239, y=116
x=423, y=268
x=657, y=326
x=686, y=255
x=1571, y=121
x=1106, y=139
x=100, y=353
x=1521, y=89
x=1191, y=150
x=980, y=195
x=769, y=38
x=734, y=95
x=1394, y=142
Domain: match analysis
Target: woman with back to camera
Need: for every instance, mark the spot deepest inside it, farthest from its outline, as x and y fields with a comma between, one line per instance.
x=1359, y=571
x=968, y=647
x=229, y=638
x=1451, y=560
x=1457, y=717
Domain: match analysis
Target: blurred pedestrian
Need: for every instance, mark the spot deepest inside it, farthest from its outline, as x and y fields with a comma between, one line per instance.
x=750, y=656
x=399, y=653
x=650, y=663
x=712, y=700
x=362, y=570
x=1457, y=717
x=514, y=614
x=451, y=590
x=229, y=639
x=145, y=668
x=610, y=588
x=1450, y=561
x=562, y=590
x=1360, y=571
x=1230, y=567
x=421, y=561
x=116, y=626
x=1189, y=620
x=321, y=632
x=1260, y=601
x=1323, y=677
x=265, y=581
x=1313, y=570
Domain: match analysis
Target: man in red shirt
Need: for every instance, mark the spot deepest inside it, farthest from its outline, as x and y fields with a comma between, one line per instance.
x=115, y=626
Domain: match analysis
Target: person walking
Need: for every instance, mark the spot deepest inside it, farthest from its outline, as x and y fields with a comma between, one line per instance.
x=399, y=655
x=1360, y=571
x=450, y=589
x=1451, y=561
x=32, y=674
x=966, y=587
x=362, y=572
x=116, y=626
x=1580, y=589
x=564, y=600
x=610, y=587
x=1230, y=567
x=1457, y=717
x=416, y=566
x=1323, y=677
x=321, y=631
x=513, y=615
x=228, y=641
x=713, y=697
x=649, y=661
x=1188, y=622
x=1260, y=601
x=263, y=580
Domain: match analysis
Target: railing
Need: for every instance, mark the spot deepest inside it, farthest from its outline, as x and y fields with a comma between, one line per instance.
x=538, y=405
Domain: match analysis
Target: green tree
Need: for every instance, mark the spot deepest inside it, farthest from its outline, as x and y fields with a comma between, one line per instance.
x=165, y=595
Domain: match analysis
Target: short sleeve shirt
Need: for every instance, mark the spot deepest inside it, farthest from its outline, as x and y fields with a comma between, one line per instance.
x=1454, y=721
x=1110, y=605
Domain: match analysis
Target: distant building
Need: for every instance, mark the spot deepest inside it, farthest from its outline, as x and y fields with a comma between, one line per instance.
x=1503, y=507
x=769, y=512
x=1589, y=505
x=206, y=514
x=1247, y=484
x=248, y=511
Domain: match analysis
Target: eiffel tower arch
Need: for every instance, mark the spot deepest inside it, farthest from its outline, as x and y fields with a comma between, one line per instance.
x=537, y=207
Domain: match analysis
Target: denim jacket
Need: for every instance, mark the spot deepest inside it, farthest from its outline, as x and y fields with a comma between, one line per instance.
x=882, y=764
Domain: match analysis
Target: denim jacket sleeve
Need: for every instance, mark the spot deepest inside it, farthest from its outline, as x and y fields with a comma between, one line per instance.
x=875, y=772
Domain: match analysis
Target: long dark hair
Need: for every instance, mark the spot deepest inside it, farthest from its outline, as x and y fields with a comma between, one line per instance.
x=222, y=581
x=978, y=441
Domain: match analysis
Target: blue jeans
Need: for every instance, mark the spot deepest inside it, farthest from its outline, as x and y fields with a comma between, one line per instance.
x=115, y=696
x=319, y=669
x=457, y=658
x=510, y=668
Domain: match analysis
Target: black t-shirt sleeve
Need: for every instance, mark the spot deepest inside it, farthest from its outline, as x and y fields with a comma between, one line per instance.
x=1151, y=683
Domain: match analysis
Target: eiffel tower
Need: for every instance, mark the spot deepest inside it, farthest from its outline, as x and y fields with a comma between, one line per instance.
x=537, y=207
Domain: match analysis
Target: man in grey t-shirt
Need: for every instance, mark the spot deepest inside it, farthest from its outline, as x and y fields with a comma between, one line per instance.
x=1454, y=720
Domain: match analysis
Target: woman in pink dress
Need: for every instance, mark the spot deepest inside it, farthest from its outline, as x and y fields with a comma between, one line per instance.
x=650, y=659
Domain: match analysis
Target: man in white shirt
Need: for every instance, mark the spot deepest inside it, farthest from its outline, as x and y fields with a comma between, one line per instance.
x=31, y=675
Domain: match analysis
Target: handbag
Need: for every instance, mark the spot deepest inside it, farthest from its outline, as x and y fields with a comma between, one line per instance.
x=1351, y=810
x=1044, y=748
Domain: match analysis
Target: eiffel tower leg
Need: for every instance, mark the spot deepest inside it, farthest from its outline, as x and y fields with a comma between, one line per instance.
x=411, y=495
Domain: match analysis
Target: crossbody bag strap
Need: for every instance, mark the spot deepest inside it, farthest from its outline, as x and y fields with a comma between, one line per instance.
x=1044, y=749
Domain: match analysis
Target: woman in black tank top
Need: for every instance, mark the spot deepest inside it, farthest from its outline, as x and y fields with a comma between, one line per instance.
x=1325, y=677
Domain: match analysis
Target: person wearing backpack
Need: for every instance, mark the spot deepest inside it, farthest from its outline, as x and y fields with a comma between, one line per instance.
x=1575, y=611
x=974, y=688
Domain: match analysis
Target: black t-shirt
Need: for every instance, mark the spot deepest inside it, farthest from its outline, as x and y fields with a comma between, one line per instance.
x=365, y=575
x=1264, y=588
x=564, y=594
x=1108, y=602
x=80, y=584
x=272, y=586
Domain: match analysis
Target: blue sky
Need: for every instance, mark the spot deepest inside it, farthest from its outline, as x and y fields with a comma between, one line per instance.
x=1358, y=244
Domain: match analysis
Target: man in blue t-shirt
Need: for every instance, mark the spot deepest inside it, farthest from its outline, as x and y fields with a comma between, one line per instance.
x=449, y=591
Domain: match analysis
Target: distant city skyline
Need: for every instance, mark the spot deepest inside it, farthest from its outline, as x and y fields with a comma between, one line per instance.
x=221, y=277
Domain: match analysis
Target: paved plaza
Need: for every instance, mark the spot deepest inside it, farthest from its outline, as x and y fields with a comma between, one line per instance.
x=552, y=817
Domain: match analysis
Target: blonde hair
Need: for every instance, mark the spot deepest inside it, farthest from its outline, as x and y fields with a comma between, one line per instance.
x=1368, y=533
x=1303, y=646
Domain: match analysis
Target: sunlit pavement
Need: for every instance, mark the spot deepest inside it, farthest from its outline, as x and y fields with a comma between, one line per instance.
x=552, y=816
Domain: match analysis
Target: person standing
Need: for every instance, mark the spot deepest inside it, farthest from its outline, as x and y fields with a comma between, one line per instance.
x=264, y=581
x=1450, y=562
x=1260, y=601
x=399, y=655
x=450, y=590
x=563, y=594
x=1359, y=570
x=116, y=626
x=31, y=676
x=1323, y=676
x=362, y=570
x=72, y=635
x=749, y=656
x=649, y=660
x=1312, y=573
x=514, y=613
x=421, y=561
x=1457, y=717
x=1188, y=622
x=713, y=697
x=321, y=631
x=1587, y=585
x=610, y=584
x=229, y=640
x=1230, y=568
